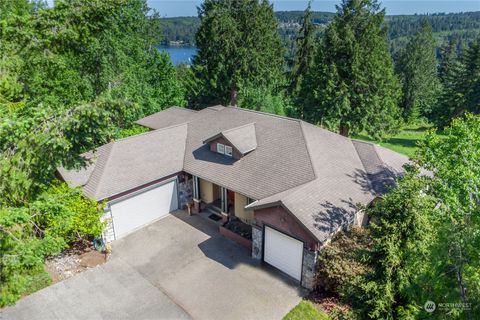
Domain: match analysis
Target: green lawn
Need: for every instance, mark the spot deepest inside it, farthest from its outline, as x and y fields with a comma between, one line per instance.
x=305, y=310
x=404, y=142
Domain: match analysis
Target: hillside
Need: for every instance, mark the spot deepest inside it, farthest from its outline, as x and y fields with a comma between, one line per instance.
x=464, y=27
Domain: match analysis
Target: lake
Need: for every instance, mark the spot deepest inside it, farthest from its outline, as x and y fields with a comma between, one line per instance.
x=179, y=55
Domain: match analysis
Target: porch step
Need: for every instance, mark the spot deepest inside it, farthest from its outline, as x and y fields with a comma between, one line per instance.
x=214, y=210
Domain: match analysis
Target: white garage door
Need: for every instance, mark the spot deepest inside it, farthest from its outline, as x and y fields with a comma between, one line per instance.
x=143, y=207
x=283, y=252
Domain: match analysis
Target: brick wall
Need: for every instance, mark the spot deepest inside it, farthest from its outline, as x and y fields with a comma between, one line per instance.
x=282, y=220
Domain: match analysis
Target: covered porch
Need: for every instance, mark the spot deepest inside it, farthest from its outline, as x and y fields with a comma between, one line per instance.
x=224, y=207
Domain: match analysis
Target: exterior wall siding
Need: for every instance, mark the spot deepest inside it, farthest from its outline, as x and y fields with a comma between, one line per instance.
x=279, y=218
x=213, y=147
x=206, y=191
x=240, y=212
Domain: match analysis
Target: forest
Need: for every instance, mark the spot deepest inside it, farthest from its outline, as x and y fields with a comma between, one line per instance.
x=460, y=27
x=77, y=75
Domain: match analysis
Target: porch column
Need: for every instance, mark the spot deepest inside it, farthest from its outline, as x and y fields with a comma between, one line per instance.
x=196, y=195
x=224, y=197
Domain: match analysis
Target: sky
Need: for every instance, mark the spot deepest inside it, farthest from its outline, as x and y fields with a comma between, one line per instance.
x=175, y=8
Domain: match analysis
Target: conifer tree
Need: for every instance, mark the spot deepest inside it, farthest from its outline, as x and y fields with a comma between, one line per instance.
x=417, y=69
x=352, y=85
x=461, y=92
x=238, y=47
x=305, y=51
x=448, y=59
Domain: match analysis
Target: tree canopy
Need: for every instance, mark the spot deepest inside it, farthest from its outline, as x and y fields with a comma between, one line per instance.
x=425, y=235
x=71, y=78
x=352, y=85
x=417, y=69
x=461, y=82
x=238, y=48
x=305, y=51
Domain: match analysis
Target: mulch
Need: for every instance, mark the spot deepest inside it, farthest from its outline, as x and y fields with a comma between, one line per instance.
x=327, y=302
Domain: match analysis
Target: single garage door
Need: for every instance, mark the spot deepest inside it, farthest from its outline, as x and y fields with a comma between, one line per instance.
x=283, y=252
x=143, y=207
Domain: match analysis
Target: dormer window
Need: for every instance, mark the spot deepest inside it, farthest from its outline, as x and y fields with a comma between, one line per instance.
x=228, y=151
x=224, y=149
x=243, y=139
x=220, y=148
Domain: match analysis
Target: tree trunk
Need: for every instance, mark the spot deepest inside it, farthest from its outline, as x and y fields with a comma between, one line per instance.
x=461, y=284
x=233, y=97
x=344, y=130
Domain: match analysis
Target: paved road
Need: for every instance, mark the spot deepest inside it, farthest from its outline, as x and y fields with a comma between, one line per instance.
x=176, y=268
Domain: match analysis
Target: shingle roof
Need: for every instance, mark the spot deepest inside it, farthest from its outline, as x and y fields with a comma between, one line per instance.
x=317, y=175
x=168, y=117
x=128, y=163
x=343, y=180
x=243, y=138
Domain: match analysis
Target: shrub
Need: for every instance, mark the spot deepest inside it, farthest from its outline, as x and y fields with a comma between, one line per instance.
x=64, y=212
x=59, y=217
x=343, y=260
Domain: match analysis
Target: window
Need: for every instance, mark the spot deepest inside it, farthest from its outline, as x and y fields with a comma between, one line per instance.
x=220, y=148
x=228, y=151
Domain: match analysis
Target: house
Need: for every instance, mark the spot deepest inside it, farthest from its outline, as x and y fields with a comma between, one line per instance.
x=291, y=185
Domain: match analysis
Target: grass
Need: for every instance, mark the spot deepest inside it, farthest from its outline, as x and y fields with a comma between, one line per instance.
x=405, y=142
x=305, y=310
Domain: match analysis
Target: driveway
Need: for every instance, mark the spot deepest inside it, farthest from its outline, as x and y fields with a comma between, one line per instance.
x=179, y=267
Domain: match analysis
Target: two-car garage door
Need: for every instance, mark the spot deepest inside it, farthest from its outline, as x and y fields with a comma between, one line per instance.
x=141, y=208
x=283, y=252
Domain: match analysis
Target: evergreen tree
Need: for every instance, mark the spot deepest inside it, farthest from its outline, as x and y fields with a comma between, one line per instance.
x=448, y=59
x=417, y=68
x=352, y=85
x=461, y=91
x=305, y=51
x=238, y=47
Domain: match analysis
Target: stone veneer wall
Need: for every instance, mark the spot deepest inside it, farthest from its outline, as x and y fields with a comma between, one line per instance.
x=309, y=268
x=257, y=242
x=185, y=192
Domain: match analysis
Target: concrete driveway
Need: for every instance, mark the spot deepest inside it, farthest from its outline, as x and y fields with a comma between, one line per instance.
x=179, y=267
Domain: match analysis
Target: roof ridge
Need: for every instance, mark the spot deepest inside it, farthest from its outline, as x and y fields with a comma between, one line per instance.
x=363, y=141
x=181, y=108
x=307, y=145
x=152, y=131
x=235, y=128
x=100, y=166
x=262, y=113
x=362, y=160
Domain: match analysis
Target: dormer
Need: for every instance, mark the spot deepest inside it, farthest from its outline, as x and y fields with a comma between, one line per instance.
x=236, y=142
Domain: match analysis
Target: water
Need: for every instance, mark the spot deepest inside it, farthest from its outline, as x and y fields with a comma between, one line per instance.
x=179, y=55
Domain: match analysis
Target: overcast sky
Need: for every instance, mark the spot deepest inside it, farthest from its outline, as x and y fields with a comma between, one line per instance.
x=175, y=8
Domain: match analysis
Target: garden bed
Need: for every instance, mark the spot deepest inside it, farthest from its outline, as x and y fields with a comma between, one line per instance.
x=239, y=232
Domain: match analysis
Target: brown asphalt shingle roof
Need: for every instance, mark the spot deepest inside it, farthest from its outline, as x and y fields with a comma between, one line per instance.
x=129, y=163
x=243, y=138
x=317, y=175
